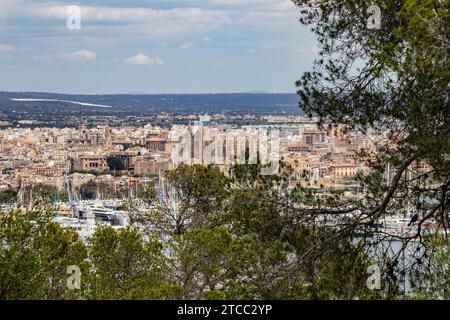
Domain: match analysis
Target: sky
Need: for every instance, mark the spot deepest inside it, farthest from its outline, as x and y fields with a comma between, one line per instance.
x=152, y=46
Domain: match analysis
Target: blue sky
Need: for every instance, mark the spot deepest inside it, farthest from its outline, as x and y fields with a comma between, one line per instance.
x=150, y=46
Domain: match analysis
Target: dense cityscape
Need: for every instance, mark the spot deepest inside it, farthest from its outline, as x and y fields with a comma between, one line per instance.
x=46, y=154
x=227, y=157
x=113, y=164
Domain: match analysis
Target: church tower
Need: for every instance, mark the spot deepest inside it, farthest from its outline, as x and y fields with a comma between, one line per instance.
x=108, y=138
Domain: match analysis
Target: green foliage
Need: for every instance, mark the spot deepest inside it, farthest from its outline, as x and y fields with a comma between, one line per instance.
x=125, y=266
x=93, y=189
x=199, y=193
x=393, y=79
x=401, y=75
x=45, y=194
x=127, y=146
x=251, y=246
x=203, y=188
x=432, y=279
x=35, y=255
x=207, y=259
x=8, y=196
x=114, y=163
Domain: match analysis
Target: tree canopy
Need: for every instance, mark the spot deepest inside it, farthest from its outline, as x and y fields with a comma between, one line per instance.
x=392, y=76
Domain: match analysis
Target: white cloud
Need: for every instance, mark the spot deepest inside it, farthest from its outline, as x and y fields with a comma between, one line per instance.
x=82, y=55
x=7, y=5
x=217, y=64
x=271, y=14
x=86, y=54
x=118, y=14
x=6, y=48
x=187, y=46
x=140, y=21
x=111, y=21
x=234, y=3
x=116, y=21
x=142, y=59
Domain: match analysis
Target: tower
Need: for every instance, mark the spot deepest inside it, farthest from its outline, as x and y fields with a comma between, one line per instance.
x=107, y=134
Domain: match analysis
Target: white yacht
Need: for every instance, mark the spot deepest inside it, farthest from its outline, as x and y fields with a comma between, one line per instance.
x=86, y=216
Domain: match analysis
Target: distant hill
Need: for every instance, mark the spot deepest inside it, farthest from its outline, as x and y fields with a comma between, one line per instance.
x=234, y=103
